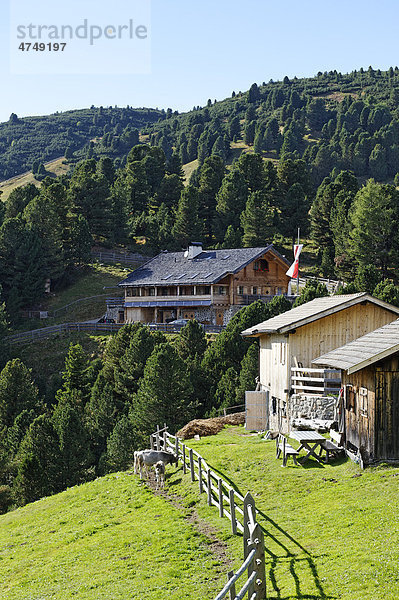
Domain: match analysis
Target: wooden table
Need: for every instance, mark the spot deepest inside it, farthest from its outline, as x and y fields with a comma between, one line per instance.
x=309, y=440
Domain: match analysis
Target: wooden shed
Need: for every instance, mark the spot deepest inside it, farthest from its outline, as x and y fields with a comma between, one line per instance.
x=290, y=342
x=369, y=404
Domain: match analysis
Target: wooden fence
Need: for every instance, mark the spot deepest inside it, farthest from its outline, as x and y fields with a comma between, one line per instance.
x=129, y=258
x=46, y=332
x=240, y=511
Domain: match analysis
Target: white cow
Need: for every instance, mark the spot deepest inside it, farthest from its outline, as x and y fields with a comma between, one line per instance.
x=160, y=474
x=148, y=458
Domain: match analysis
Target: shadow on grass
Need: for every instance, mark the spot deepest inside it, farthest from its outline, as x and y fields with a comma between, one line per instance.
x=291, y=555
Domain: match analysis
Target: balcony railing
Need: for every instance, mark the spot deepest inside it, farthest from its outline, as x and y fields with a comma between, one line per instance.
x=316, y=382
x=247, y=299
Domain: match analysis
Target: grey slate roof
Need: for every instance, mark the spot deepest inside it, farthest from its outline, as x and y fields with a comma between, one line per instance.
x=312, y=311
x=364, y=351
x=172, y=268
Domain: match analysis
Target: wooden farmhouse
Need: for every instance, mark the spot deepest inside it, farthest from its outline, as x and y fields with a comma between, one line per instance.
x=289, y=343
x=210, y=286
x=369, y=405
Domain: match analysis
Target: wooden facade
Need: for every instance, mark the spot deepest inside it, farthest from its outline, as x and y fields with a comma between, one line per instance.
x=370, y=408
x=159, y=301
x=298, y=345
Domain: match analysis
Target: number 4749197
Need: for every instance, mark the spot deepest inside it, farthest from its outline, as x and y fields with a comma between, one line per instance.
x=42, y=47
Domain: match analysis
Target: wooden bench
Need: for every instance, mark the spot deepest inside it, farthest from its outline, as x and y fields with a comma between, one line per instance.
x=330, y=449
x=282, y=446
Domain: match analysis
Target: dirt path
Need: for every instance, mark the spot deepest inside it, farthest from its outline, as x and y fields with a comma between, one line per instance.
x=218, y=548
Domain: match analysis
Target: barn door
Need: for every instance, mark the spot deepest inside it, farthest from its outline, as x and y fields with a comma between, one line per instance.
x=387, y=414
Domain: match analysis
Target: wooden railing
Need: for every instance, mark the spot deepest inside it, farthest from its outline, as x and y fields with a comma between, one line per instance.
x=320, y=382
x=240, y=511
x=47, y=332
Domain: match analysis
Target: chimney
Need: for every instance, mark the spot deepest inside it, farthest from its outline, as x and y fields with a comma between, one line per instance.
x=194, y=249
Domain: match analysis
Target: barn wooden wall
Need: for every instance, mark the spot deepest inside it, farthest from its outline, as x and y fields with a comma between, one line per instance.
x=323, y=335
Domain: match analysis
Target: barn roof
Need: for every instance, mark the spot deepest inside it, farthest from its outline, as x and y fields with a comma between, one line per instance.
x=364, y=351
x=175, y=268
x=312, y=311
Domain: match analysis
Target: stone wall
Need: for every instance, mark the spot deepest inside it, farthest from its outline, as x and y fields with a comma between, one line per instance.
x=312, y=407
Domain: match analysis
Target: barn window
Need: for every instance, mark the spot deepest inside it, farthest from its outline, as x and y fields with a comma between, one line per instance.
x=350, y=398
x=363, y=402
x=128, y=292
x=282, y=354
x=240, y=290
x=254, y=291
x=261, y=265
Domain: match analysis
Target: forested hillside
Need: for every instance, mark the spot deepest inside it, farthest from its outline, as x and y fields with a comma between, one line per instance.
x=29, y=140
x=297, y=153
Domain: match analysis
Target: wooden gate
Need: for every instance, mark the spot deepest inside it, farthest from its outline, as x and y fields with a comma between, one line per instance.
x=387, y=415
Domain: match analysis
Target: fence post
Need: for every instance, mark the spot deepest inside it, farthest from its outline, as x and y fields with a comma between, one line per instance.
x=192, y=465
x=233, y=512
x=165, y=443
x=209, y=484
x=232, y=592
x=158, y=443
x=251, y=568
x=151, y=442
x=200, y=474
x=258, y=540
x=220, y=490
x=248, y=500
x=184, y=458
x=177, y=447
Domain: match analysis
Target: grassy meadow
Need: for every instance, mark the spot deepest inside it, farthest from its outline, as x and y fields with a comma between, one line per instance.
x=55, y=168
x=332, y=531
x=109, y=539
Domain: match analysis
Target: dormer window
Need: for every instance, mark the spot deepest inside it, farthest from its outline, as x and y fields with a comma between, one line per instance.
x=261, y=265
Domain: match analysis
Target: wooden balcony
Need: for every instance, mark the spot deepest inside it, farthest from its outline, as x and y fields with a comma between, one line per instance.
x=315, y=382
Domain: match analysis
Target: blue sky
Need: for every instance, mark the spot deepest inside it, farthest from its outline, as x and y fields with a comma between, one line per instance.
x=206, y=49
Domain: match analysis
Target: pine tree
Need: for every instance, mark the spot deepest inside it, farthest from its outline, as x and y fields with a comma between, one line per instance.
x=257, y=221
x=163, y=393
x=249, y=372
x=73, y=443
x=75, y=376
x=191, y=342
x=374, y=239
x=17, y=392
x=121, y=445
x=101, y=413
x=39, y=462
x=187, y=226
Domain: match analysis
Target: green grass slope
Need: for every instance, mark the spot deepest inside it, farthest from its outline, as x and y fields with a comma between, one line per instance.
x=331, y=531
x=109, y=539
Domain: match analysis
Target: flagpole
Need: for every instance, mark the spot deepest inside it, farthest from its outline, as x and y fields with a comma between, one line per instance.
x=297, y=278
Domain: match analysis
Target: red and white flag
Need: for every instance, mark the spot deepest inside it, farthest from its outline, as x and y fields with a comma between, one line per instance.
x=294, y=268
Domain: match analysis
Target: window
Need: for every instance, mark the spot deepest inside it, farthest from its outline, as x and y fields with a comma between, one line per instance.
x=350, y=398
x=363, y=402
x=164, y=291
x=151, y=291
x=261, y=265
x=240, y=290
x=221, y=290
x=128, y=292
x=254, y=291
x=135, y=291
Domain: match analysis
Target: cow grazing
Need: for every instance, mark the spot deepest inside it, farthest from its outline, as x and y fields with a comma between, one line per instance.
x=159, y=474
x=148, y=458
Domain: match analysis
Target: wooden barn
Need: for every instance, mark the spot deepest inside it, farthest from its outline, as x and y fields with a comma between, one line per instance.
x=290, y=342
x=369, y=404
